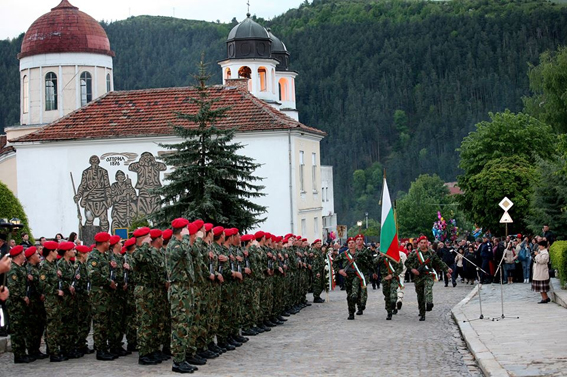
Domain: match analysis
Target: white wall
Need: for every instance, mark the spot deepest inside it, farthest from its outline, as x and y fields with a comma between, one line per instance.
x=45, y=190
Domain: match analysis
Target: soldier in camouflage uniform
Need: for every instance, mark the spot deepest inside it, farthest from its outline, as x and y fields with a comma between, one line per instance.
x=248, y=288
x=49, y=288
x=163, y=339
x=131, y=324
x=318, y=272
x=181, y=277
x=422, y=265
x=365, y=264
x=117, y=298
x=18, y=305
x=67, y=273
x=83, y=303
x=354, y=278
x=390, y=271
x=102, y=287
x=36, y=316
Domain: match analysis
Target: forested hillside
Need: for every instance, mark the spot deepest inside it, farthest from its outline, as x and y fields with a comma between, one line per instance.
x=439, y=66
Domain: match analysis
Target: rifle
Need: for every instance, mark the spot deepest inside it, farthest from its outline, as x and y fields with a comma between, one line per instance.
x=79, y=216
x=75, y=275
x=126, y=271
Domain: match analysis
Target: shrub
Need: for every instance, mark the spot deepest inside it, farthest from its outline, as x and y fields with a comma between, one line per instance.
x=10, y=207
x=558, y=255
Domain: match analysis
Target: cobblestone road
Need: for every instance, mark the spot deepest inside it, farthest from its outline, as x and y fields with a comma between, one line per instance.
x=318, y=341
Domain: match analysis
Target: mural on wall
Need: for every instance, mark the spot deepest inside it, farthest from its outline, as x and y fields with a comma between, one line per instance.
x=96, y=195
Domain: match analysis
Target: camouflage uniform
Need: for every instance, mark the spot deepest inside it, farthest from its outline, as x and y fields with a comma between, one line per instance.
x=146, y=299
x=130, y=319
x=181, y=276
x=36, y=319
x=226, y=296
x=117, y=303
x=199, y=330
x=389, y=287
x=48, y=285
x=68, y=316
x=18, y=309
x=318, y=268
x=164, y=321
x=83, y=306
x=98, y=270
x=353, y=283
x=424, y=281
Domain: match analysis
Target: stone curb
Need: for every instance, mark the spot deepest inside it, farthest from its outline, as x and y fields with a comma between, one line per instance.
x=485, y=359
x=558, y=295
x=3, y=344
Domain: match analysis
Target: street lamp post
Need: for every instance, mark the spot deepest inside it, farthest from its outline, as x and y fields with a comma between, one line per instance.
x=359, y=223
x=366, y=214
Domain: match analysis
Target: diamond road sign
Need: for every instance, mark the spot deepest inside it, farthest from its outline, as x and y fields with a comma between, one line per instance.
x=506, y=204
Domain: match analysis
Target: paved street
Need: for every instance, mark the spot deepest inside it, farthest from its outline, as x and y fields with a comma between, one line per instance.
x=318, y=341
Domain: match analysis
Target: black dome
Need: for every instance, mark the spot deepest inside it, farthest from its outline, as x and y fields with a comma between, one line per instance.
x=248, y=40
x=279, y=52
x=277, y=44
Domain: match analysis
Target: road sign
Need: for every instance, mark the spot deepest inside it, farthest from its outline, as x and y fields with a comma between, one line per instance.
x=506, y=204
x=506, y=219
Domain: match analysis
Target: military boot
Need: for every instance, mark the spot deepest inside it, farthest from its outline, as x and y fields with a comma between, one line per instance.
x=422, y=317
x=104, y=356
x=319, y=300
x=57, y=358
x=351, y=316
x=389, y=317
x=183, y=367
x=24, y=359
x=195, y=361
x=147, y=360
x=429, y=306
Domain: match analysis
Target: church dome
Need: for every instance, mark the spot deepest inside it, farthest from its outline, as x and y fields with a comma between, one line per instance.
x=248, y=40
x=65, y=29
x=248, y=29
x=277, y=44
x=279, y=52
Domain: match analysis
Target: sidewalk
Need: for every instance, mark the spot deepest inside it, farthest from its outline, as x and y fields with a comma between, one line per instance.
x=529, y=341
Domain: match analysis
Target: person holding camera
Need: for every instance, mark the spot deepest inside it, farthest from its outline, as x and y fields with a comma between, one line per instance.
x=509, y=263
x=540, y=280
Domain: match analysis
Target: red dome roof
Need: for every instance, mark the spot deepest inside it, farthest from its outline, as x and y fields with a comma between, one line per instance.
x=65, y=29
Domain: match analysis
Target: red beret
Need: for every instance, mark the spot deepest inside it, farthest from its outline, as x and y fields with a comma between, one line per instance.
x=166, y=234
x=350, y=239
x=102, y=237
x=16, y=250
x=66, y=246
x=422, y=238
x=50, y=245
x=123, y=250
x=218, y=230
x=30, y=251
x=235, y=231
x=230, y=232
x=155, y=233
x=199, y=223
x=279, y=238
x=317, y=240
x=114, y=240
x=141, y=232
x=259, y=235
x=208, y=227
x=359, y=236
x=247, y=237
x=304, y=239
x=193, y=229
x=289, y=235
x=179, y=223
x=129, y=242
x=519, y=235
x=268, y=235
x=83, y=249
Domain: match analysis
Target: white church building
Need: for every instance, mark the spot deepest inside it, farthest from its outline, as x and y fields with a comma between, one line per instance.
x=85, y=151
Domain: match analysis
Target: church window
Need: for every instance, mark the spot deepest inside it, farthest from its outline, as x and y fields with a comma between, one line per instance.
x=227, y=74
x=86, y=88
x=283, y=90
x=301, y=168
x=25, y=92
x=262, y=78
x=314, y=171
x=108, y=83
x=50, y=91
x=244, y=72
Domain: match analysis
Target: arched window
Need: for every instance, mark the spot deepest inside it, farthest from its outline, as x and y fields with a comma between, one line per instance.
x=262, y=79
x=50, y=91
x=227, y=74
x=108, y=83
x=284, y=96
x=244, y=72
x=25, y=92
x=86, y=88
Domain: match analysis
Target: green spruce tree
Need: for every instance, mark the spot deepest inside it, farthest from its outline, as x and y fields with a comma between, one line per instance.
x=210, y=180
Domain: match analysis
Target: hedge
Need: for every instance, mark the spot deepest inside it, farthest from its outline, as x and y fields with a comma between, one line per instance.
x=558, y=255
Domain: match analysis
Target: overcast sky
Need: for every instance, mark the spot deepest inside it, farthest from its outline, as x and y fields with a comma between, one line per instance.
x=17, y=15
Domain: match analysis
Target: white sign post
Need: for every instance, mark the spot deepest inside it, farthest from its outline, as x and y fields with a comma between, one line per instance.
x=506, y=204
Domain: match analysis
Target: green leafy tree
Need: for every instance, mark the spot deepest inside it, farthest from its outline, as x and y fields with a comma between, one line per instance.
x=512, y=177
x=417, y=209
x=10, y=207
x=210, y=180
x=548, y=82
x=506, y=136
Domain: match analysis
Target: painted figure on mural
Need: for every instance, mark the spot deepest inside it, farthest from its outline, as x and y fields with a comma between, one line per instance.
x=148, y=170
x=124, y=200
x=94, y=193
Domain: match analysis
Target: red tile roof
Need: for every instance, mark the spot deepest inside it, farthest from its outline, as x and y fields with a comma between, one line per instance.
x=3, y=148
x=65, y=29
x=150, y=112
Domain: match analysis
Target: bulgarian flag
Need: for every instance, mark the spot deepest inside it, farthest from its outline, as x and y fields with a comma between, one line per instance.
x=388, y=234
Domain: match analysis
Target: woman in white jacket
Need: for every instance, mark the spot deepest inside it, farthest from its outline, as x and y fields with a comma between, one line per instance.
x=540, y=279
